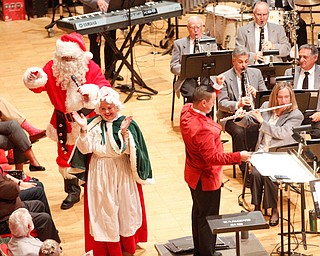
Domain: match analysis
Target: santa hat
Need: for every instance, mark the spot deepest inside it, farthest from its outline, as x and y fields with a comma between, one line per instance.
x=71, y=45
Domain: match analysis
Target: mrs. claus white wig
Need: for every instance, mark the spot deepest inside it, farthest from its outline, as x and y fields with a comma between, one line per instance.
x=110, y=96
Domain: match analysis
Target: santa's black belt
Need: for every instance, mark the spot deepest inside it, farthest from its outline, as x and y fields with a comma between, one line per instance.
x=61, y=119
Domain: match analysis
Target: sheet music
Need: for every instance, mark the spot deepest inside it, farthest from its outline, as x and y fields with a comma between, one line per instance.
x=282, y=163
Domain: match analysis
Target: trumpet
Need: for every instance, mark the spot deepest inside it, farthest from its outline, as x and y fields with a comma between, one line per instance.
x=248, y=113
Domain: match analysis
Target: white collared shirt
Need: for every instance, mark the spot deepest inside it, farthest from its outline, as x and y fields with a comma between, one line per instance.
x=310, y=78
x=198, y=111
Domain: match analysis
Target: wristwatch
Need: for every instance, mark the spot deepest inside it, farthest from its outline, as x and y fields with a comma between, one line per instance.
x=19, y=182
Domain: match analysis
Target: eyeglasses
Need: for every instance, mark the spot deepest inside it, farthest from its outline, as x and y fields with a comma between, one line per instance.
x=194, y=27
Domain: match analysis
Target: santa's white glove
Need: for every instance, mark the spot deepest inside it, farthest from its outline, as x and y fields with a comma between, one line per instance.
x=91, y=92
x=34, y=77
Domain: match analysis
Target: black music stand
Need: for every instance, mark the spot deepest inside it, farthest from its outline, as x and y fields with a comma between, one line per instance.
x=205, y=64
x=272, y=70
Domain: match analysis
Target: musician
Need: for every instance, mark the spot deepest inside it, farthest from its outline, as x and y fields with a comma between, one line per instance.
x=307, y=76
x=96, y=39
x=232, y=97
x=260, y=35
x=275, y=129
x=203, y=165
x=187, y=45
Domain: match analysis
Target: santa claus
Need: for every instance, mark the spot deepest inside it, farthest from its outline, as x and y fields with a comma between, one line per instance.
x=72, y=81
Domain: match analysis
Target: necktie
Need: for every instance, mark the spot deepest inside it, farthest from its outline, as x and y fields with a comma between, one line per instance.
x=305, y=83
x=261, y=38
x=196, y=46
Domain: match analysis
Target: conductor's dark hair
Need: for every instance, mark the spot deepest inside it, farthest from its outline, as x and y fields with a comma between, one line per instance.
x=203, y=92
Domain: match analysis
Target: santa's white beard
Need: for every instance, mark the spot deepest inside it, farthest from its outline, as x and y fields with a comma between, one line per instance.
x=62, y=71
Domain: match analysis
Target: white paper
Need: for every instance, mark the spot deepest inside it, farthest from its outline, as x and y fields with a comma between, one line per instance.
x=282, y=163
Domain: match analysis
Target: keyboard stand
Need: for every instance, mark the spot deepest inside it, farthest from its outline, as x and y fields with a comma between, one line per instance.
x=120, y=53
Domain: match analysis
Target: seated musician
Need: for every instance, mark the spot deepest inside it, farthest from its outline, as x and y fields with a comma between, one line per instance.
x=307, y=77
x=260, y=35
x=187, y=45
x=275, y=129
x=232, y=97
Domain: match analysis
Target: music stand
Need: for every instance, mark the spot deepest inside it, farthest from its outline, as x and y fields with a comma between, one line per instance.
x=272, y=70
x=272, y=163
x=205, y=64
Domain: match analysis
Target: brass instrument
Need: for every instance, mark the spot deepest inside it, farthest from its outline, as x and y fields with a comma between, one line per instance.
x=248, y=113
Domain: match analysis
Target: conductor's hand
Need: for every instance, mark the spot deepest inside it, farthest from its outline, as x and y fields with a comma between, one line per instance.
x=220, y=79
x=245, y=156
x=80, y=119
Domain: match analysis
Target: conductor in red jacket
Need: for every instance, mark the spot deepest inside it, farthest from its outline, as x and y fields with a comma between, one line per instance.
x=203, y=165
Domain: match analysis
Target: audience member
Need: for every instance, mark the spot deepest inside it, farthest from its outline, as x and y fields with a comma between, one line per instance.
x=232, y=97
x=10, y=201
x=203, y=165
x=118, y=166
x=9, y=112
x=56, y=78
x=96, y=39
x=275, y=129
x=50, y=248
x=13, y=137
x=21, y=242
x=187, y=45
x=260, y=35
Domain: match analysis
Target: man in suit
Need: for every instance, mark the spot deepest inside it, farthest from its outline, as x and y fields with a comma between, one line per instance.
x=203, y=165
x=187, y=45
x=307, y=77
x=260, y=35
x=231, y=98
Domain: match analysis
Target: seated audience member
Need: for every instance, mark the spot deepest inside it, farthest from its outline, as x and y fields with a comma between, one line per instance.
x=182, y=46
x=10, y=201
x=307, y=77
x=50, y=248
x=275, y=129
x=232, y=97
x=21, y=242
x=260, y=35
x=13, y=137
x=9, y=112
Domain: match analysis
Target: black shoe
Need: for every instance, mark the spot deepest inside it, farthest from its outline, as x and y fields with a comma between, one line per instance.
x=70, y=200
x=33, y=168
x=273, y=222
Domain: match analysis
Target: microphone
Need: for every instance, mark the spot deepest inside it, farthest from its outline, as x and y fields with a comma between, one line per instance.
x=75, y=80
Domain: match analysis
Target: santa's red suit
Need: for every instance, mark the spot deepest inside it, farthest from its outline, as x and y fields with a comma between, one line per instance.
x=55, y=79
